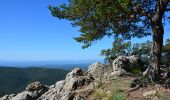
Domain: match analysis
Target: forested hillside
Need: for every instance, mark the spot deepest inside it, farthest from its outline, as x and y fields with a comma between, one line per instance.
x=14, y=80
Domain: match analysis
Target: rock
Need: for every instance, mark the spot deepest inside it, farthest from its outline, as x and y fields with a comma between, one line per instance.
x=32, y=92
x=76, y=86
x=166, y=74
x=124, y=62
x=36, y=86
x=23, y=96
x=167, y=84
x=74, y=83
x=118, y=73
x=53, y=92
x=149, y=93
x=74, y=73
x=68, y=95
x=7, y=97
x=97, y=70
x=133, y=59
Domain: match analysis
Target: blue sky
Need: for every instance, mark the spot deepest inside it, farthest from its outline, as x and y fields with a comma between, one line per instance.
x=28, y=32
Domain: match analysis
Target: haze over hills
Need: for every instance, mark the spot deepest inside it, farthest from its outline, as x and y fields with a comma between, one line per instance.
x=63, y=64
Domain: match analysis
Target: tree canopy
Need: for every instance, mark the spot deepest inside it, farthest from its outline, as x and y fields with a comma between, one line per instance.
x=99, y=18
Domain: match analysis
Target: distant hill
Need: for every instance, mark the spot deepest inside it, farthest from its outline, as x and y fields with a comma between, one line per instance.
x=14, y=80
x=64, y=64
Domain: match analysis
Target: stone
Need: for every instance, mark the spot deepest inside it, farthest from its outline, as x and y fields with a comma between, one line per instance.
x=53, y=92
x=125, y=62
x=118, y=73
x=7, y=97
x=166, y=74
x=35, y=86
x=149, y=93
x=97, y=70
x=74, y=73
x=23, y=96
x=76, y=86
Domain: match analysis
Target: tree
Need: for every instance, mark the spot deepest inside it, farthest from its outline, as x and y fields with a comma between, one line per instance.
x=118, y=18
x=119, y=48
x=142, y=49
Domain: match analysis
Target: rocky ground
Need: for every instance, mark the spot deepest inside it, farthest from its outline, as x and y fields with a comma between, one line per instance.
x=99, y=82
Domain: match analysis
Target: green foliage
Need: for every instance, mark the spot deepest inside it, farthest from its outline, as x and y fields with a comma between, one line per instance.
x=142, y=49
x=118, y=93
x=119, y=96
x=136, y=70
x=14, y=80
x=99, y=18
x=119, y=48
x=146, y=79
x=100, y=95
x=125, y=48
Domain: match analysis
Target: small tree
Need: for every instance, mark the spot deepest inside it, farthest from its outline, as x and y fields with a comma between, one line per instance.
x=119, y=48
x=143, y=50
x=125, y=18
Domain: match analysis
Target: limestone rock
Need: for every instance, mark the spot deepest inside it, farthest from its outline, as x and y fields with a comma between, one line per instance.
x=35, y=86
x=76, y=86
x=118, y=73
x=149, y=93
x=124, y=62
x=97, y=70
x=32, y=92
x=53, y=92
x=7, y=97
x=74, y=73
x=23, y=96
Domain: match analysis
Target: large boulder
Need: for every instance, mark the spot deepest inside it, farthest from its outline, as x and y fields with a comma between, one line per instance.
x=125, y=62
x=149, y=93
x=98, y=70
x=74, y=73
x=36, y=86
x=53, y=92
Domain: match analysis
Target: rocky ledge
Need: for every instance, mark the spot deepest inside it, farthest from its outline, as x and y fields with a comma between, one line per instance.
x=78, y=84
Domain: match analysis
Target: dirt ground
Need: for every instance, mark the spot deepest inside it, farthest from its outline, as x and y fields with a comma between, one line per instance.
x=106, y=91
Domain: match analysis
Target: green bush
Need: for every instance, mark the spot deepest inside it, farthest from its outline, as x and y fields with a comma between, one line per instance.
x=136, y=70
x=119, y=96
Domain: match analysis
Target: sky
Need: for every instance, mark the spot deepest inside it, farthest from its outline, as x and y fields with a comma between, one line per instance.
x=28, y=32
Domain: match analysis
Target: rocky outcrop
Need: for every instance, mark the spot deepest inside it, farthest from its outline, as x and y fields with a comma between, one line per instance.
x=78, y=84
x=98, y=70
x=32, y=92
x=124, y=62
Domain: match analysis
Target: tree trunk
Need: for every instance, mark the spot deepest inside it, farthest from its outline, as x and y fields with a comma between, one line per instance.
x=157, y=43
